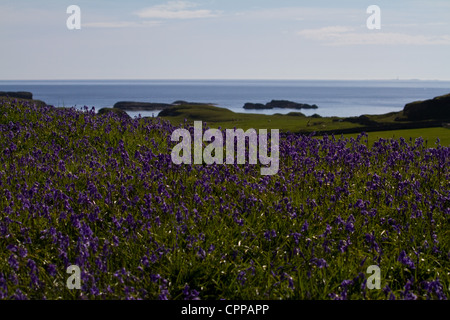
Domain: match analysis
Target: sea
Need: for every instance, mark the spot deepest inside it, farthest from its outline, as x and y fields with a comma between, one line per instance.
x=342, y=98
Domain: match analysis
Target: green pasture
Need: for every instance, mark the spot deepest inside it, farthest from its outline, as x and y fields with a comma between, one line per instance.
x=215, y=117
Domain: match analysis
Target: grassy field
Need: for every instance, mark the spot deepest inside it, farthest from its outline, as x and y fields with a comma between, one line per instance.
x=220, y=117
x=295, y=122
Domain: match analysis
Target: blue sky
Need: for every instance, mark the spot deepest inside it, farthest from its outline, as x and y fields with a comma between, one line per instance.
x=224, y=39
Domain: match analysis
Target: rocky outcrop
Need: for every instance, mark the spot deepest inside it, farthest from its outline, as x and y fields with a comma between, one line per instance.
x=258, y=106
x=433, y=109
x=279, y=104
x=18, y=94
x=141, y=106
x=117, y=111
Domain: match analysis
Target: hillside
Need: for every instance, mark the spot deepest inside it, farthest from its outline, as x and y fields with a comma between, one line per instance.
x=101, y=192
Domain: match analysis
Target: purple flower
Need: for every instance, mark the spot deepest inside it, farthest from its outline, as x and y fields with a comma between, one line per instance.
x=19, y=295
x=291, y=283
x=326, y=232
x=344, y=244
x=407, y=294
x=305, y=227
x=22, y=252
x=13, y=263
x=62, y=165
x=164, y=294
x=270, y=234
x=115, y=241
x=434, y=287
x=190, y=294
x=349, y=226
x=320, y=263
x=346, y=283
x=406, y=260
x=241, y=277
x=153, y=258
x=145, y=261
x=11, y=248
x=201, y=253
x=155, y=277
x=94, y=290
x=360, y=204
x=386, y=290
x=51, y=269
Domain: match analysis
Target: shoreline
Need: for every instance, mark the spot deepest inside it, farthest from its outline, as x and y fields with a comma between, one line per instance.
x=413, y=115
x=341, y=98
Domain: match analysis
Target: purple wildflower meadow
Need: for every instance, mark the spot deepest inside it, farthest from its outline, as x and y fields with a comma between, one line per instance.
x=101, y=192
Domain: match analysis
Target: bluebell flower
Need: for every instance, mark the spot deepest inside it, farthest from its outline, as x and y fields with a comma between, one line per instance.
x=406, y=260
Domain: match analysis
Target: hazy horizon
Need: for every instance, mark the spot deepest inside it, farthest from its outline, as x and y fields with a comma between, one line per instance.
x=225, y=79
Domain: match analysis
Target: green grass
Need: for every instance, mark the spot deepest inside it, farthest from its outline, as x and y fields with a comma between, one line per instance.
x=220, y=117
x=430, y=135
x=294, y=122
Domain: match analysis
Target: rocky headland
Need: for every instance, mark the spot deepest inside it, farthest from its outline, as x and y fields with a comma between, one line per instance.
x=437, y=108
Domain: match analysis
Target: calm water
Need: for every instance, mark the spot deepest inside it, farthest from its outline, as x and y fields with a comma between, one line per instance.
x=334, y=98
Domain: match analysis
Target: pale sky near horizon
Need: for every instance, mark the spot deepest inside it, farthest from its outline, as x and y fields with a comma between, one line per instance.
x=224, y=39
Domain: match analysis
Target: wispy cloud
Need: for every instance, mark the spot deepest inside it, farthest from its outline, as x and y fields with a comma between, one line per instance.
x=326, y=34
x=415, y=24
x=299, y=13
x=341, y=35
x=176, y=10
x=121, y=24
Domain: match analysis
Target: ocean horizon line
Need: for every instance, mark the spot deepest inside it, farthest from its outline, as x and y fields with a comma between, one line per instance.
x=225, y=79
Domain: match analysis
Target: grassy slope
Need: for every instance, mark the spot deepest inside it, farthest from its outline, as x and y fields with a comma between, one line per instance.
x=132, y=215
x=224, y=118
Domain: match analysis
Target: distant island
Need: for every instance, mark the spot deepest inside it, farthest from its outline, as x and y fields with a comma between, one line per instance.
x=152, y=106
x=279, y=104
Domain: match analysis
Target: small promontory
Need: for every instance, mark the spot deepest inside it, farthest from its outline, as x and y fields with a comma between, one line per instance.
x=17, y=95
x=433, y=109
x=21, y=95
